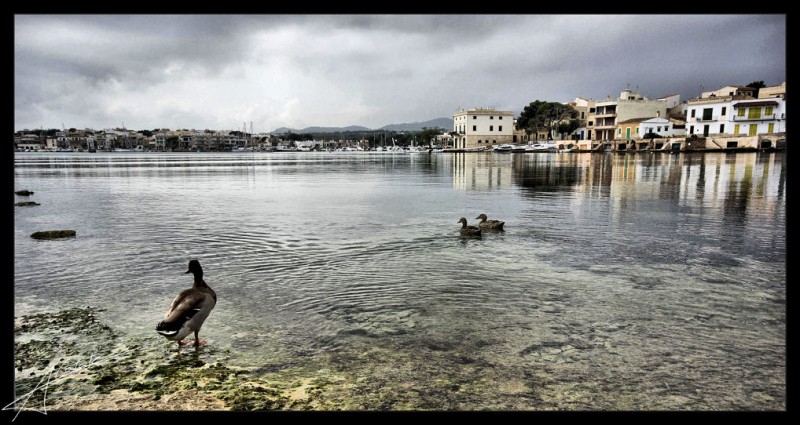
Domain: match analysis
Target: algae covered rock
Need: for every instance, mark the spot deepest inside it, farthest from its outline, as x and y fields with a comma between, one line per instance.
x=27, y=204
x=54, y=234
x=24, y=192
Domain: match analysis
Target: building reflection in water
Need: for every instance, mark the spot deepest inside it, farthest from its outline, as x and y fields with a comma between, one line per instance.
x=482, y=171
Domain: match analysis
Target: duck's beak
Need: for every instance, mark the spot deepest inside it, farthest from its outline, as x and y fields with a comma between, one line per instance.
x=477, y=217
x=188, y=271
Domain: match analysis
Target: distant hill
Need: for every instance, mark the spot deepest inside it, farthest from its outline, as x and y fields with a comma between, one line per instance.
x=282, y=130
x=445, y=123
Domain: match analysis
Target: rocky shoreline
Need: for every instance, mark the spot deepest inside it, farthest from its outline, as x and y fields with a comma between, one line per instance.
x=70, y=361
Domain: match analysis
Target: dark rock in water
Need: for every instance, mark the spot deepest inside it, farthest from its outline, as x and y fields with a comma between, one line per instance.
x=53, y=234
x=24, y=192
x=27, y=204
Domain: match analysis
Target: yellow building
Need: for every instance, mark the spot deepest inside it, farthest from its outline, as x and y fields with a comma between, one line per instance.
x=629, y=129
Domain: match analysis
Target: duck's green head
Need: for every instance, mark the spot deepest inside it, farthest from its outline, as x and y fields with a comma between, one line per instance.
x=194, y=267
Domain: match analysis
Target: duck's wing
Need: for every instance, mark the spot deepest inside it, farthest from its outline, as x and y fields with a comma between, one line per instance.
x=187, y=303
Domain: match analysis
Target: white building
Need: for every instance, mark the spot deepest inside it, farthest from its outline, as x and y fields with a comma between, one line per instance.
x=661, y=126
x=482, y=128
x=671, y=100
x=735, y=115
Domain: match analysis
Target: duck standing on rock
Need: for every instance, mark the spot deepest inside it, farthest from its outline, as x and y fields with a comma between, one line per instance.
x=489, y=224
x=189, y=309
x=468, y=230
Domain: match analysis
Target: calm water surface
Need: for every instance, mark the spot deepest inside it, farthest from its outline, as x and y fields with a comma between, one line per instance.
x=646, y=281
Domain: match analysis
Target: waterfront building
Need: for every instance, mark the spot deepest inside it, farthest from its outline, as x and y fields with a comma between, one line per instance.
x=482, y=128
x=735, y=115
x=660, y=126
x=642, y=128
x=585, y=108
x=629, y=105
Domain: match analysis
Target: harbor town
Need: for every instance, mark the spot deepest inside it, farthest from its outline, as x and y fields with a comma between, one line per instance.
x=378, y=213
x=731, y=118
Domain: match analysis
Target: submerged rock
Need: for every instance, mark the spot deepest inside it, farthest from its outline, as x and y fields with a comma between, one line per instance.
x=27, y=204
x=53, y=234
x=24, y=192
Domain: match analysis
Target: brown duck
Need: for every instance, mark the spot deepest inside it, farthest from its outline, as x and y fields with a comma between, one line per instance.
x=189, y=309
x=489, y=224
x=468, y=230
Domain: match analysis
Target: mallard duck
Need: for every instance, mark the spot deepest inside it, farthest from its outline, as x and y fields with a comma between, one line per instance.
x=489, y=224
x=189, y=309
x=468, y=230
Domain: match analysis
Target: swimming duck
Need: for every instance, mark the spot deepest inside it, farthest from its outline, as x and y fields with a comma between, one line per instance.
x=468, y=230
x=489, y=224
x=189, y=309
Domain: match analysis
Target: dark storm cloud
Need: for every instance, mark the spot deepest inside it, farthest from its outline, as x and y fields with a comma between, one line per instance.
x=207, y=71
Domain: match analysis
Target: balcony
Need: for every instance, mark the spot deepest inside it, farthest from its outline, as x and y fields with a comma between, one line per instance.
x=712, y=118
x=772, y=117
x=605, y=114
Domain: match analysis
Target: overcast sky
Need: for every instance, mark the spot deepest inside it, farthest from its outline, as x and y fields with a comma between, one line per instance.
x=216, y=72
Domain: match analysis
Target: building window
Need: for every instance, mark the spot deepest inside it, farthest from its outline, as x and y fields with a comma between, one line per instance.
x=619, y=131
x=735, y=129
x=479, y=142
x=741, y=112
x=500, y=117
x=474, y=128
x=499, y=128
x=693, y=113
x=474, y=117
x=636, y=130
x=768, y=110
x=691, y=129
x=658, y=128
x=491, y=128
x=591, y=110
x=753, y=129
x=666, y=128
x=583, y=115
x=771, y=128
x=591, y=123
x=724, y=110
x=491, y=117
x=722, y=128
x=494, y=142
x=754, y=113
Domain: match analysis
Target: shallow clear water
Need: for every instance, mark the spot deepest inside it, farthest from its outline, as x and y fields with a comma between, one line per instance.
x=646, y=281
